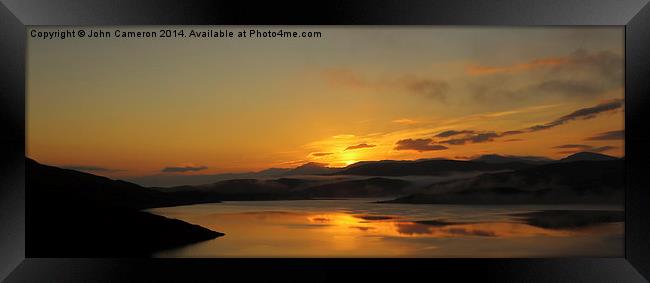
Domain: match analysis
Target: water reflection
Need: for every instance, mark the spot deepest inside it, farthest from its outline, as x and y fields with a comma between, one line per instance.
x=343, y=232
x=340, y=223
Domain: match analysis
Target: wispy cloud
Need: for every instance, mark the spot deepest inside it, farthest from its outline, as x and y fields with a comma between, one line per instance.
x=584, y=113
x=440, y=135
x=405, y=121
x=320, y=154
x=343, y=136
x=450, y=133
x=429, y=88
x=574, y=148
x=418, y=145
x=474, y=136
x=611, y=135
x=432, y=88
x=580, y=74
x=359, y=146
x=534, y=64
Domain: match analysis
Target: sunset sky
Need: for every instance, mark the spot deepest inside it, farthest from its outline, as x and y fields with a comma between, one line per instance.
x=137, y=107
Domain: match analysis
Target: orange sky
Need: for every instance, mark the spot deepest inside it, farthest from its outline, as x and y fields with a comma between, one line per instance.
x=135, y=107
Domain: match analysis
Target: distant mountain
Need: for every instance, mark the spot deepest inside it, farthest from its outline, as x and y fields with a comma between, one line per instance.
x=562, y=182
x=175, y=180
x=497, y=159
x=587, y=156
x=291, y=188
x=429, y=167
x=245, y=189
x=271, y=172
x=373, y=187
x=172, y=180
x=75, y=214
x=311, y=168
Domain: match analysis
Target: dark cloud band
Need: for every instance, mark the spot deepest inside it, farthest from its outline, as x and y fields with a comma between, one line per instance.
x=359, y=146
x=418, y=145
x=611, y=135
x=470, y=136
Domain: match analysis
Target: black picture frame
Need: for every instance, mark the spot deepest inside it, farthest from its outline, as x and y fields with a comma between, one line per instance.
x=15, y=15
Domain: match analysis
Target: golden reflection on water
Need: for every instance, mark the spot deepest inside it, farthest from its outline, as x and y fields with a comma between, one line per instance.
x=343, y=224
x=343, y=234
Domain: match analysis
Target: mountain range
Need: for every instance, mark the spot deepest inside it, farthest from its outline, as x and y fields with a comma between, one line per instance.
x=422, y=167
x=104, y=217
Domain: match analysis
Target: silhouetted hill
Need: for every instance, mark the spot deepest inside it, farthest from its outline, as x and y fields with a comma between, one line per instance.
x=312, y=168
x=246, y=189
x=373, y=187
x=291, y=188
x=495, y=158
x=83, y=187
x=90, y=188
x=175, y=180
x=425, y=167
x=587, y=156
x=60, y=229
x=565, y=182
x=178, y=180
x=75, y=214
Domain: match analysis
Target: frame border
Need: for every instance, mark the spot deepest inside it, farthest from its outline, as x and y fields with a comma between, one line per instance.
x=15, y=15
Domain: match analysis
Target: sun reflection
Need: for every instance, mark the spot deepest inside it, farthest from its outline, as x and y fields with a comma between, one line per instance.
x=380, y=225
x=338, y=232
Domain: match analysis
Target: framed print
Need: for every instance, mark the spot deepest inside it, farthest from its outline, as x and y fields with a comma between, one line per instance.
x=362, y=140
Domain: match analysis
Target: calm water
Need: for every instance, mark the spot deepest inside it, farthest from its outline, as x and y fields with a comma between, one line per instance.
x=359, y=228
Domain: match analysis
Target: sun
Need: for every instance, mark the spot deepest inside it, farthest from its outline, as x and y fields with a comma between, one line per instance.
x=348, y=157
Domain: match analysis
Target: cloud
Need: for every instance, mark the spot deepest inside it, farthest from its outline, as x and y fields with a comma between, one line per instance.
x=534, y=64
x=319, y=154
x=602, y=148
x=584, y=114
x=611, y=135
x=569, y=87
x=425, y=87
x=507, y=133
x=183, y=169
x=573, y=146
x=405, y=121
x=90, y=168
x=590, y=112
x=582, y=147
x=450, y=133
x=343, y=136
x=606, y=63
x=419, y=145
x=361, y=145
x=293, y=162
x=434, y=89
x=344, y=77
x=579, y=74
x=473, y=138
